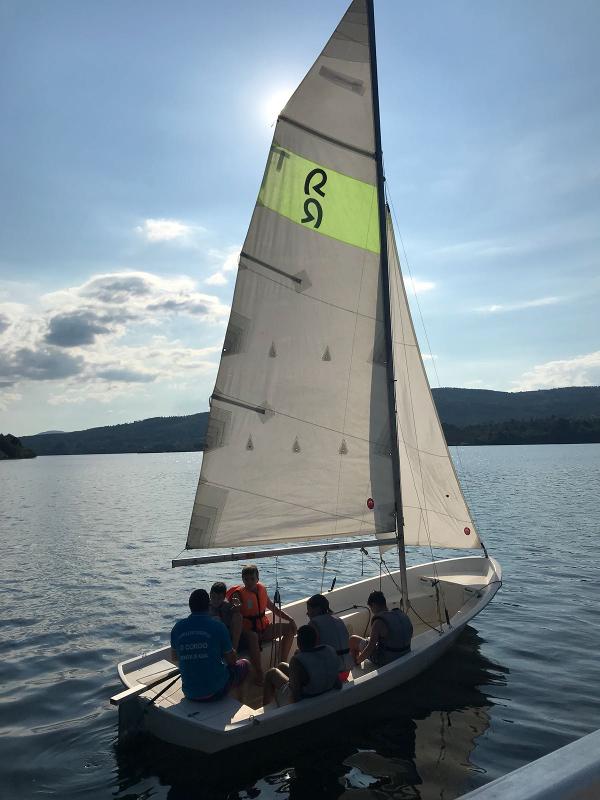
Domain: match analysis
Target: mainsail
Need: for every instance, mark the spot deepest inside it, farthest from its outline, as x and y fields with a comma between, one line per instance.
x=299, y=442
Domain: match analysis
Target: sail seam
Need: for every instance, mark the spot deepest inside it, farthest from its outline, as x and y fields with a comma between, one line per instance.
x=431, y=510
x=264, y=410
x=307, y=295
x=296, y=505
x=418, y=449
x=325, y=137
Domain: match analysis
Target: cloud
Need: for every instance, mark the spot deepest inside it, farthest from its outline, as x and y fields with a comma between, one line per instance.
x=86, y=338
x=216, y=279
x=42, y=364
x=166, y=230
x=7, y=398
x=117, y=287
x=578, y=371
x=419, y=286
x=501, y=308
x=4, y=322
x=74, y=329
x=181, y=306
x=113, y=299
x=116, y=372
x=125, y=375
x=229, y=260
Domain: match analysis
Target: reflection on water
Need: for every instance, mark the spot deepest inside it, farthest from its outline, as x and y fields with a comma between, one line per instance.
x=415, y=741
x=86, y=543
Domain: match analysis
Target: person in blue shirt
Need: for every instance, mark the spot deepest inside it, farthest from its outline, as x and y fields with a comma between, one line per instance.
x=202, y=648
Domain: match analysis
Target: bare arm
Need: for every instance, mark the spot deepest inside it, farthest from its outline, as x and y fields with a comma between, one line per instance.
x=279, y=612
x=230, y=658
x=376, y=631
x=298, y=678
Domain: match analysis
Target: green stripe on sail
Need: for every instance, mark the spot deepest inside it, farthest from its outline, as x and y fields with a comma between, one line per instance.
x=321, y=199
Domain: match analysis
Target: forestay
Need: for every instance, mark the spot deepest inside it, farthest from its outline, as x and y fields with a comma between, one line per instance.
x=298, y=439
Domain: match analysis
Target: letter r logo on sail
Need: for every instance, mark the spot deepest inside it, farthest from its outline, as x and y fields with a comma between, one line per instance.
x=320, y=199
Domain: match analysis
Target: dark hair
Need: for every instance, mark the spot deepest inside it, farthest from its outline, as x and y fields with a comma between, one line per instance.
x=376, y=599
x=306, y=637
x=218, y=588
x=319, y=601
x=199, y=600
x=250, y=569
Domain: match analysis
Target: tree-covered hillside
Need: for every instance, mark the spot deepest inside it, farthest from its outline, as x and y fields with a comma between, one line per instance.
x=156, y=435
x=551, y=430
x=470, y=416
x=464, y=407
x=11, y=447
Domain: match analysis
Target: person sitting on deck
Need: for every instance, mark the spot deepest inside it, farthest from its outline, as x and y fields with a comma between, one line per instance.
x=330, y=630
x=228, y=612
x=256, y=627
x=201, y=646
x=313, y=670
x=391, y=632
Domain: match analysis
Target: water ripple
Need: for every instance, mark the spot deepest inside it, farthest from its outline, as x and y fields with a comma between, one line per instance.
x=87, y=543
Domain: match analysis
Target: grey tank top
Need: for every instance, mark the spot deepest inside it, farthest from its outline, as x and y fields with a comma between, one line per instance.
x=333, y=632
x=397, y=638
x=321, y=666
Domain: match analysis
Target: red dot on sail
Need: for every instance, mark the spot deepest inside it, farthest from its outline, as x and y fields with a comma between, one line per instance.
x=370, y=503
x=467, y=531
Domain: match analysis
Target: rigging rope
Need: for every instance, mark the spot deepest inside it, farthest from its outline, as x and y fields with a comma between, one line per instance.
x=276, y=639
x=323, y=571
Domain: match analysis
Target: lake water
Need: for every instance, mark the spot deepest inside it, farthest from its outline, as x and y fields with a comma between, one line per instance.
x=86, y=544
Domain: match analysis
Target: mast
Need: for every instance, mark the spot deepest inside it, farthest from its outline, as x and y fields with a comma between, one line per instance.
x=385, y=281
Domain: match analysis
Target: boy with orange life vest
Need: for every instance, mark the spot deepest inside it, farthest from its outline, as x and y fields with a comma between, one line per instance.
x=256, y=626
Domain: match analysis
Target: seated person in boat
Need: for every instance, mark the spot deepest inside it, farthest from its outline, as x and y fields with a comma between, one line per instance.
x=391, y=632
x=227, y=611
x=330, y=630
x=313, y=670
x=201, y=646
x=256, y=626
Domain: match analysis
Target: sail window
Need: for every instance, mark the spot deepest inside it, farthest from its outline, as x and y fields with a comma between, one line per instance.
x=217, y=430
x=235, y=338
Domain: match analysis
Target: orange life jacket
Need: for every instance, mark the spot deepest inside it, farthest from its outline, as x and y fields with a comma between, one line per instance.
x=253, y=608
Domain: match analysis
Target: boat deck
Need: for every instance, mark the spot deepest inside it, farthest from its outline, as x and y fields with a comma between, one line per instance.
x=458, y=592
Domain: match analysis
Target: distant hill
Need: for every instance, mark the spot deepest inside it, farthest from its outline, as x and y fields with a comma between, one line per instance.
x=155, y=435
x=470, y=416
x=464, y=407
x=550, y=430
x=11, y=447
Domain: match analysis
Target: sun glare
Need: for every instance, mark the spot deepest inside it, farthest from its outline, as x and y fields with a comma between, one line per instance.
x=273, y=104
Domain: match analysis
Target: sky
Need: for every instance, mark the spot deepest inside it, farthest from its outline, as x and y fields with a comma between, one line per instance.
x=133, y=140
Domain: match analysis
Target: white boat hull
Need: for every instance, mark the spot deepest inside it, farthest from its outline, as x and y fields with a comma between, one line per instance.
x=466, y=584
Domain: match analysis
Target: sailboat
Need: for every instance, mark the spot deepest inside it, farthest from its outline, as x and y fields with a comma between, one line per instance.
x=322, y=433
